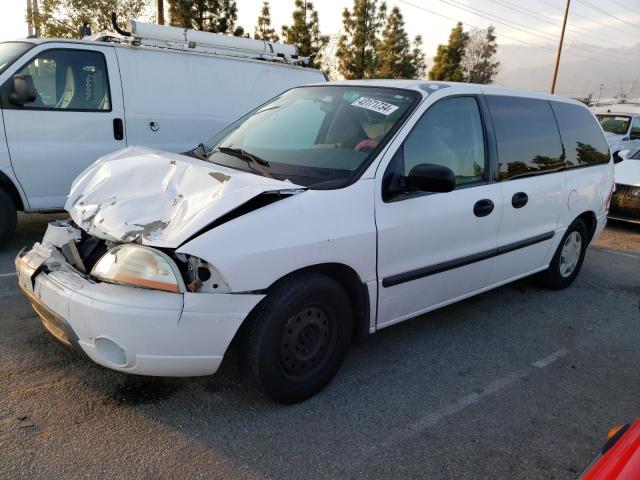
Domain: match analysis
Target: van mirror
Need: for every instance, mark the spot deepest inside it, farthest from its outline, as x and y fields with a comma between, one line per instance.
x=427, y=177
x=620, y=155
x=23, y=90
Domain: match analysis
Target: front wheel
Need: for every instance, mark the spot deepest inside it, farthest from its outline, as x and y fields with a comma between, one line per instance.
x=298, y=337
x=8, y=217
x=567, y=261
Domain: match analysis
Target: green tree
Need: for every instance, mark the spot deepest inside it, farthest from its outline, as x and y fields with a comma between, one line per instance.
x=304, y=32
x=217, y=16
x=63, y=18
x=479, y=63
x=396, y=58
x=418, y=57
x=357, y=47
x=264, y=30
x=447, y=64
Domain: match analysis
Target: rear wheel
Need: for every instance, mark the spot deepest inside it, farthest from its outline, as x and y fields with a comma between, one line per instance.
x=298, y=337
x=8, y=217
x=567, y=261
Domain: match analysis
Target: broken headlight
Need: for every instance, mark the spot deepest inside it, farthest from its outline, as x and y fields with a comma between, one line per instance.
x=139, y=266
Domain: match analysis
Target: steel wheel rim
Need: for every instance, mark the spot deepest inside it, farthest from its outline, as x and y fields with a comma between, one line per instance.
x=570, y=254
x=307, y=339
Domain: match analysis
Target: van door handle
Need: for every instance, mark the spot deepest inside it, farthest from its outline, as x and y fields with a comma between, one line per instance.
x=118, y=129
x=519, y=199
x=483, y=207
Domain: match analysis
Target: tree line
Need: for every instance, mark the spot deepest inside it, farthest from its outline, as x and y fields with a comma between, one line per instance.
x=374, y=42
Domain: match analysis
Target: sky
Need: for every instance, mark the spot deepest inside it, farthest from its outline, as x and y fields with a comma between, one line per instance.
x=593, y=24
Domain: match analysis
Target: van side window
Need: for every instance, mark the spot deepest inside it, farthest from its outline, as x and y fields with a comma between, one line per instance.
x=69, y=80
x=450, y=133
x=527, y=135
x=634, y=134
x=583, y=141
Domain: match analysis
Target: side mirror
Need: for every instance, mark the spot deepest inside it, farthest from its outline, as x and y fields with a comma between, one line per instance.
x=23, y=90
x=431, y=178
x=620, y=155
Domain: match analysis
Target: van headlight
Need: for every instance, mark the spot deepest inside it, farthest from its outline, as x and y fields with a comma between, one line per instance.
x=139, y=266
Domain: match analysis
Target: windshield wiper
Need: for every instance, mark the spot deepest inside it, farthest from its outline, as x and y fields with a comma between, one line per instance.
x=244, y=155
x=201, y=152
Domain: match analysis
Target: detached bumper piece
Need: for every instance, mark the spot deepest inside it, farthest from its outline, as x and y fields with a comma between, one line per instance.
x=625, y=203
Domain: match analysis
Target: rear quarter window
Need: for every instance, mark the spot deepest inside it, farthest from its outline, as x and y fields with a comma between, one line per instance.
x=583, y=140
x=527, y=136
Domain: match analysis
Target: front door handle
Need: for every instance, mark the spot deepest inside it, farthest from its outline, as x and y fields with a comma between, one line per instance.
x=118, y=129
x=519, y=199
x=483, y=207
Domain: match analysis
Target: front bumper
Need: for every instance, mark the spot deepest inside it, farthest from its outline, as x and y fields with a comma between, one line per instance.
x=625, y=203
x=131, y=329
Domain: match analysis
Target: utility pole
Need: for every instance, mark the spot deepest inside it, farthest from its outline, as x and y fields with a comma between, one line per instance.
x=564, y=26
x=34, y=5
x=160, y=12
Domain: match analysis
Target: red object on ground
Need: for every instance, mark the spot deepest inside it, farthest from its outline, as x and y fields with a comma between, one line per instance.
x=621, y=461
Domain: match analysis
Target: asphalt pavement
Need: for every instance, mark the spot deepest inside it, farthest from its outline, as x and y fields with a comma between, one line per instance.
x=516, y=383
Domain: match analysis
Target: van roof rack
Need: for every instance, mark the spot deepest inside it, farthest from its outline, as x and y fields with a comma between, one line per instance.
x=185, y=39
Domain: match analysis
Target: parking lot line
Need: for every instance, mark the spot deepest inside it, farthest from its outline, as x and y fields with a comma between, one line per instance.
x=546, y=361
x=10, y=274
x=615, y=252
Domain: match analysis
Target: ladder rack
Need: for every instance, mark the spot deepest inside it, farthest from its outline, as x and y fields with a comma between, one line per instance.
x=184, y=39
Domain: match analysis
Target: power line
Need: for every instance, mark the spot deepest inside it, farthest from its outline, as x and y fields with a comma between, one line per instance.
x=604, y=12
x=623, y=6
x=592, y=20
x=553, y=21
x=524, y=42
x=528, y=30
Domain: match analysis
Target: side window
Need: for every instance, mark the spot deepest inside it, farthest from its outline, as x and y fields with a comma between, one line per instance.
x=527, y=136
x=634, y=134
x=450, y=133
x=583, y=141
x=69, y=80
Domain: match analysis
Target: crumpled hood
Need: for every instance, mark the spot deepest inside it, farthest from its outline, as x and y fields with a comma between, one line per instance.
x=157, y=198
x=628, y=172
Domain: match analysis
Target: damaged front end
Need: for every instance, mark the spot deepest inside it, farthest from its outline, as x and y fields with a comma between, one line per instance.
x=65, y=246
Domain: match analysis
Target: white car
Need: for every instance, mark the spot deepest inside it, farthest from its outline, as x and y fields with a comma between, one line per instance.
x=625, y=203
x=328, y=213
x=621, y=125
x=65, y=103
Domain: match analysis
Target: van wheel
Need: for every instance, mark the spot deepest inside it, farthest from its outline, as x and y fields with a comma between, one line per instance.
x=298, y=337
x=8, y=217
x=567, y=261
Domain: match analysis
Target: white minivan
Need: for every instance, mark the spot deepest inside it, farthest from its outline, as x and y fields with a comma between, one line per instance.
x=65, y=103
x=326, y=214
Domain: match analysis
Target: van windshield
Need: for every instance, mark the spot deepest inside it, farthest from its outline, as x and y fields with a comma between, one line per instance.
x=617, y=124
x=10, y=51
x=320, y=137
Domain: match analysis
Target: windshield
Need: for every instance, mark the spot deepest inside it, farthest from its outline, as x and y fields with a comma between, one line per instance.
x=319, y=137
x=10, y=51
x=617, y=124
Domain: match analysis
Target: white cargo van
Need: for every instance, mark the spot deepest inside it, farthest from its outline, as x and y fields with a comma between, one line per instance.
x=66, y=103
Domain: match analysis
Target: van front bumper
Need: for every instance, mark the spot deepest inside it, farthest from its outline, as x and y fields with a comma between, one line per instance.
x=130, y=329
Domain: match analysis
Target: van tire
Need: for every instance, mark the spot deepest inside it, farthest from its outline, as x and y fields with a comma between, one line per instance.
x=556, y=277
x=8, y=217
x=297, y=337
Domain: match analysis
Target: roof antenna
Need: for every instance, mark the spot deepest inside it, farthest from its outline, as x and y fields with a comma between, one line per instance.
x=114, y=22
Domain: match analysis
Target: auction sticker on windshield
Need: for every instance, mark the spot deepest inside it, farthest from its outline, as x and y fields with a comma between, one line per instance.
x=376, y=105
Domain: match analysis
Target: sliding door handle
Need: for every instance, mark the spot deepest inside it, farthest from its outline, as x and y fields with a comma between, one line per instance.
x=483, y=207
x=118, y=129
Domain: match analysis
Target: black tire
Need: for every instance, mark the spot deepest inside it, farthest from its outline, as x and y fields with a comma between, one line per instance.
x=8, y=218
x=286, y=349
x=554, y=277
